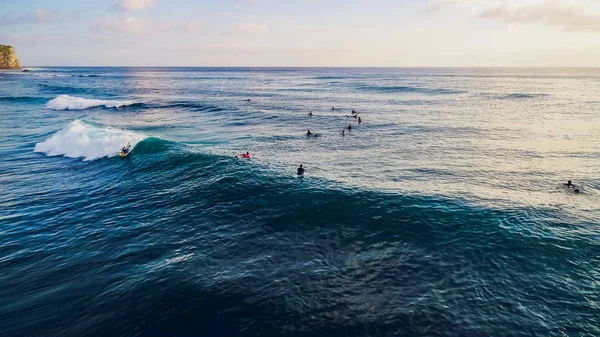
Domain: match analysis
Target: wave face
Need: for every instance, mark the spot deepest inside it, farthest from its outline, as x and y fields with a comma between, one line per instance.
x=66, y=102
x=83, y=140
x=409, y=89
x=440, y=215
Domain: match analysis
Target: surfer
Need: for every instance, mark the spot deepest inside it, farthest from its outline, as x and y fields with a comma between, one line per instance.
x=353, y=112
x=300, y=170
x=126, y=149
x=349, y=127
x=310, y=114
x=343, y=133
x=359, y=120
x=571, y=185
x=308, y=133
x=244, y=155
x=332, y=108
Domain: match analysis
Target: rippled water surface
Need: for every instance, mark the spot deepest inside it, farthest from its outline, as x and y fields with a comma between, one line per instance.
x=441, y=214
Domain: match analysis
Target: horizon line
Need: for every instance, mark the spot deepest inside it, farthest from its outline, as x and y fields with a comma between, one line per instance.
x=317, y=67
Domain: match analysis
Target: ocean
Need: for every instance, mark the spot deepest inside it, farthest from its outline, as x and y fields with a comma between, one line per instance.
x=443, y=213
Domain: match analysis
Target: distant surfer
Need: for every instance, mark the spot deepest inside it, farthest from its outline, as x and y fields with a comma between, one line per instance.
x=244, y=155
x=310, y=114
x=332, y=108
x=349, y=127
x=359, y=120
x=571, y=185
x=310, y=134
x=248, y=100
x=343, y=133
x=353, y=112
x=300, y=170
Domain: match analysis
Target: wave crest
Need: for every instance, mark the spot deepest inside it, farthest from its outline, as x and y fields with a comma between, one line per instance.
x=66, y=102
x=33, y=69
x=522, y=96
x=406, y=89
x=83, y=140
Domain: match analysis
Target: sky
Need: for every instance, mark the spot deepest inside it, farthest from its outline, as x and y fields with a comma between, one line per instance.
x=372, y=33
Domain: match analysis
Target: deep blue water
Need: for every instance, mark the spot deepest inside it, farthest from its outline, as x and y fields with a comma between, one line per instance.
x=441, y=214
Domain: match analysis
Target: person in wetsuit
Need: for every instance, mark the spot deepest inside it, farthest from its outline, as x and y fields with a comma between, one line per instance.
x=308, y=133
x=125, y=149
x=571, y=185
x=300, y=170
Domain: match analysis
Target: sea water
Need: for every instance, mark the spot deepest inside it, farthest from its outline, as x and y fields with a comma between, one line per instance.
x=442, y=214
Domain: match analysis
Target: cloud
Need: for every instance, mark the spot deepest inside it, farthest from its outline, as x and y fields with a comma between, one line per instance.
x=37, y=17
x=248, y=28
x=438, y=5
x=571, y=15
x=137, y=26
x=129, y=24
x=134, y=5
x=42, y=15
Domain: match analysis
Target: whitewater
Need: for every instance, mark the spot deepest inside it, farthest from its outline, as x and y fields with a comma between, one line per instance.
x=82, y=140
x=443, y=213
x=66, y=102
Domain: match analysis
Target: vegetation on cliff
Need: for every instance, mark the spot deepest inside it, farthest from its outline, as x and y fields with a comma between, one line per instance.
x=8, y=58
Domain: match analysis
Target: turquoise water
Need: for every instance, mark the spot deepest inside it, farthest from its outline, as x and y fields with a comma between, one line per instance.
x=441, y=214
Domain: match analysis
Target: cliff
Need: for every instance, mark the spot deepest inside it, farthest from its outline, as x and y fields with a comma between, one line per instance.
x=8, y=58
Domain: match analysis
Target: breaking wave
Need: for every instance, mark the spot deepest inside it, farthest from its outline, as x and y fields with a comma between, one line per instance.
x=83, y=140
x=66, y=102
x=33, y=69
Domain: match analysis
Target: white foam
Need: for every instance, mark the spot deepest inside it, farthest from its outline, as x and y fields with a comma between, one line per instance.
x=66, y=102
x=46, y=75
x=82, y=140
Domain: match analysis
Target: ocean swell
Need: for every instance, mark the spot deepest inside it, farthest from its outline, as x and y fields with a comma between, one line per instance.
x=82, y=140
x=522, y=96
x=66, y=102
x=407, y=89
